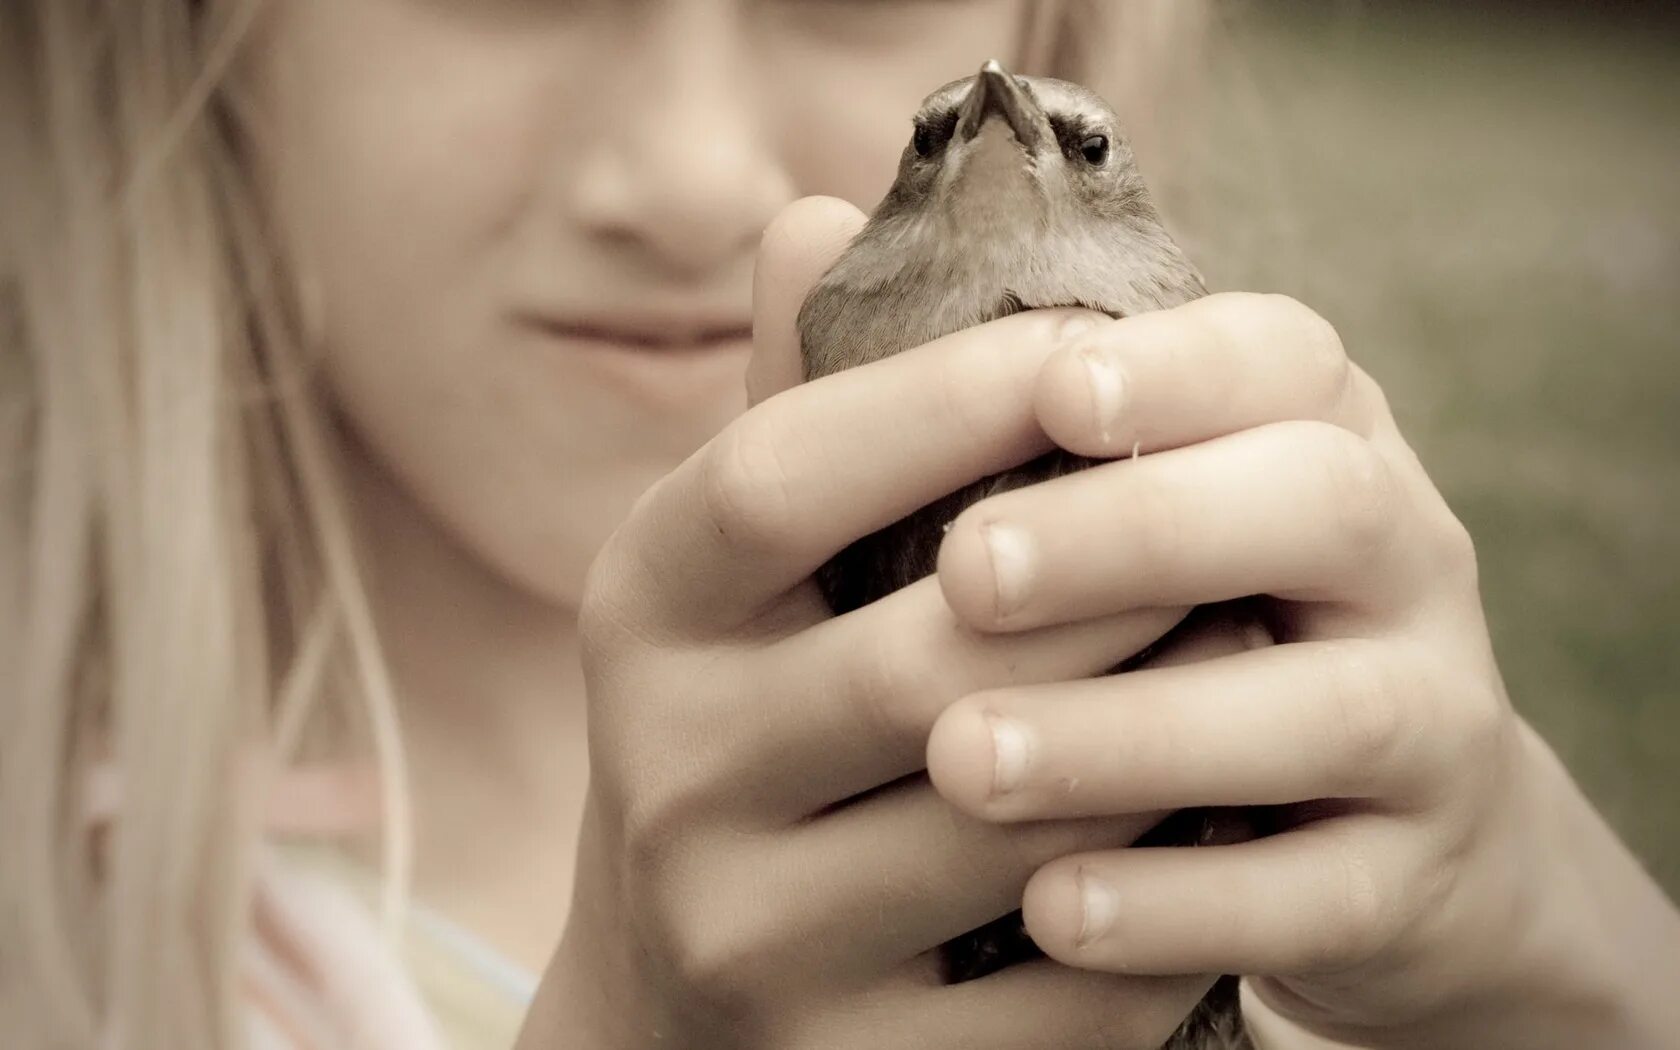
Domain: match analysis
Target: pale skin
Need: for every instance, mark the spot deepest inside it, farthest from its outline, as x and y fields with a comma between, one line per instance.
x=1460, y=893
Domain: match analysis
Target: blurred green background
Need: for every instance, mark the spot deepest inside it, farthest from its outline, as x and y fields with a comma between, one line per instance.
x=1485, y=199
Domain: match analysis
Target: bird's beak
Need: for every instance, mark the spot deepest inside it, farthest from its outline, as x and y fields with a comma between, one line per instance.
x=995, y=91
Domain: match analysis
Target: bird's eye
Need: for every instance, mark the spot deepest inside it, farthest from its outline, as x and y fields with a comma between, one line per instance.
x=923, y=141
x=1094, y=149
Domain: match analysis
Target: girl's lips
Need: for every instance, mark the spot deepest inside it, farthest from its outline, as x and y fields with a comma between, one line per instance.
x=655, y=328
x=653, y=336
x=665, y=364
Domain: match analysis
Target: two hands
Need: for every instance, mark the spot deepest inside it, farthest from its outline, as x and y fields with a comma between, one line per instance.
x=790, y=811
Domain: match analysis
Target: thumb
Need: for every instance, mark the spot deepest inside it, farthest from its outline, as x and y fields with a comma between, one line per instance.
x=798, y=247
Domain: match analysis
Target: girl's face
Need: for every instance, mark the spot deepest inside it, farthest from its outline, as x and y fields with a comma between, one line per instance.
x=525, y=229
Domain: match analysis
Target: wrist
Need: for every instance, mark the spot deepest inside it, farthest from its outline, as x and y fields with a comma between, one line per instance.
x=596, y=993
x=574, y=1006
x=1590, y=951
x=1615, y=943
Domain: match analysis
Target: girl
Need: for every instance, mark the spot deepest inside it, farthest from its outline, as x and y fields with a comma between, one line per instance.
x=340, y=335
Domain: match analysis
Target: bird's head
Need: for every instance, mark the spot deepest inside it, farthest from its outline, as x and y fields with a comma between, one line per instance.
x=1013, y=193
x=997, y=153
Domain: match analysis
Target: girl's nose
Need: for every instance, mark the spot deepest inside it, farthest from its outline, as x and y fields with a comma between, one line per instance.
x=682, y=169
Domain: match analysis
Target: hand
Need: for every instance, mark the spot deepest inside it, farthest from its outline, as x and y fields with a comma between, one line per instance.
x=1428, y=882
x=762, y=864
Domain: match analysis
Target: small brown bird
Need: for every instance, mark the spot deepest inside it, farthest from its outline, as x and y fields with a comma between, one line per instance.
x=1013, y=193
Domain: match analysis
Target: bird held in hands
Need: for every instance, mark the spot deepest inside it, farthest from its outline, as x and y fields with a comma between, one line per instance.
x=1013, y=193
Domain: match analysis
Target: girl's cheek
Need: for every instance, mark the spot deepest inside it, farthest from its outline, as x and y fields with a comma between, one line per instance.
x=389, y=130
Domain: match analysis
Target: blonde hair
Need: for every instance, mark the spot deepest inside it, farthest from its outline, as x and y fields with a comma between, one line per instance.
x=174, y=538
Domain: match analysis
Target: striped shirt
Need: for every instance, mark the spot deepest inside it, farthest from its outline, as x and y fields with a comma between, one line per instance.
x=323, y=975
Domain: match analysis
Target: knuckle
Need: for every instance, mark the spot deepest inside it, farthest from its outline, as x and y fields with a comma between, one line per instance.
x=897, y=685
x=648, y=839
x=612, y=617
x=1367, y=395
x=1482, y=729
x=657, y=820
x=709, y=950
x=1313, y=340
x=1361, y=922
x=604, y=621
x=1489, y=722
x=1369, y=698
x=1455, y=553
x=1322, y=350
x=956, y=380
x=614, y=613
x=745, y=487
x=691, y=913
x=1152, y=533
x=1362, y=491
x=1301, y=335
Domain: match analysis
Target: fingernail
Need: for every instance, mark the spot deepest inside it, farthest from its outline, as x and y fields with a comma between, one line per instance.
x=1108, y=392
x=1073, y=327
x=1099, y=904
x=1011, y=753
x=1011, y=551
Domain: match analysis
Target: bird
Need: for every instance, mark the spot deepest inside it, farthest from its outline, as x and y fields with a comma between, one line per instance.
x=1013, y=193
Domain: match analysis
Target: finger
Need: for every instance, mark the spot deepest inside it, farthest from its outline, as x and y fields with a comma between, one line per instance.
x=905, y=865
x=798, y=247
x=869, y=686
x=800, y=476
x=1282, y=724
x=1214, y=366
x=1313, y=900
x=1300, y=511
x=1211, y=631
x=866, y=688
x=1035, y=1005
